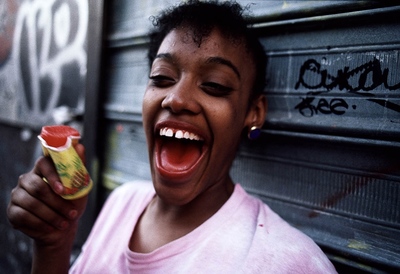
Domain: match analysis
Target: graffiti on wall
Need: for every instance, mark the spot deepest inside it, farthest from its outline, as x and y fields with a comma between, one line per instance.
x=8, y=10
x=8, y=13
x=43, y=65
x=42, y=68
x=361, y=81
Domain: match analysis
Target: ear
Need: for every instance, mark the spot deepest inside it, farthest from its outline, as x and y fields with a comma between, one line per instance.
x=256, y=113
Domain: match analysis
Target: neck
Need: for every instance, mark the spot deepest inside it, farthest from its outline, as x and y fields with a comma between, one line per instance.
x=199, y=209
x=162, y=222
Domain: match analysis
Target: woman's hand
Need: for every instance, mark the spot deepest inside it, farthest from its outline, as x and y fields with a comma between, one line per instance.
x=37, y=209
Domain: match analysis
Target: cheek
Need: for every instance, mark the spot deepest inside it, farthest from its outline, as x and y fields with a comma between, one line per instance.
x=145, y=108
x=149, y=110
x=227, y=121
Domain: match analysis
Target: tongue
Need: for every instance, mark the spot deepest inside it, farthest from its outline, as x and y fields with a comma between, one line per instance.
x=179, y=155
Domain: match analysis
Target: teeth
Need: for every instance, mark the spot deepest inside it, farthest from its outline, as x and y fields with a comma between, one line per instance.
x=193, y=137
x=179, y=134
x=186, y=135
x=169, y=133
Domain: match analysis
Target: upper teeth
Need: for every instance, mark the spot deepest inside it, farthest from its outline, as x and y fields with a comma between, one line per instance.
x=179, y=134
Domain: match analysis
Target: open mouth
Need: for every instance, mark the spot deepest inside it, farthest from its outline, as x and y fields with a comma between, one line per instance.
x=178, y=151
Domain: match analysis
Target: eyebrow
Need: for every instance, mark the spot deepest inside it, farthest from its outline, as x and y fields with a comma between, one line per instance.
x=222, y=61
x=164, y=56
x=211, y=60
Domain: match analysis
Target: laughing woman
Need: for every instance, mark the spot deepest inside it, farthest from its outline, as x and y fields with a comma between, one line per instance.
x=205, y=90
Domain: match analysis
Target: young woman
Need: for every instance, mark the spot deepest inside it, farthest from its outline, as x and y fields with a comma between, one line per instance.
x=204, y=91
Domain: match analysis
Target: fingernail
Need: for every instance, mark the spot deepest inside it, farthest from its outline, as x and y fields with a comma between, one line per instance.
x=58, y=187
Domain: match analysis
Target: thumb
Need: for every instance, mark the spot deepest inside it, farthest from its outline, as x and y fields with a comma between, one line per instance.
x=80, y=149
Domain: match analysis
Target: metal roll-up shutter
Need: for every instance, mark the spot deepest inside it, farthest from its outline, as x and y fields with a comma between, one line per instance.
x=328, y=159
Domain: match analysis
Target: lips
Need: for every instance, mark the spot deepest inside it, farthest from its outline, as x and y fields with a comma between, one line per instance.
x=178, y=152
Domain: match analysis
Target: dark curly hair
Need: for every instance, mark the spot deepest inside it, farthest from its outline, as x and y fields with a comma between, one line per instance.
x=204, y=16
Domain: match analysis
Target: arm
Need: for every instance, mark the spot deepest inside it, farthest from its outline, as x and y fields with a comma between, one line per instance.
x=53, y=259
x=37, y=210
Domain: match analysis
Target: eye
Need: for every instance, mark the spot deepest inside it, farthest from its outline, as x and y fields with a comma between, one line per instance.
x=216, y=89
x=161, y=81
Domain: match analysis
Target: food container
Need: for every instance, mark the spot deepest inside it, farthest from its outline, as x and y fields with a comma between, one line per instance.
x=58, y=142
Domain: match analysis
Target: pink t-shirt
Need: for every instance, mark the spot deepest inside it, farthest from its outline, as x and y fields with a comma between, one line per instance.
x=244, y=236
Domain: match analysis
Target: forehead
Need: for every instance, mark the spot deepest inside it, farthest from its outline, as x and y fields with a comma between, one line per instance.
x=181, y=42
x=214, y=41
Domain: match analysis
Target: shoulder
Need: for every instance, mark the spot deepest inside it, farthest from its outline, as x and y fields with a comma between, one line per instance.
x=113, y=228
x=282, y=245
x=128, y=195
x=268, y=222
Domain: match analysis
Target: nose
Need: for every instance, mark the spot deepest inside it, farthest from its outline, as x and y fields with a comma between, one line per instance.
x=182, y=98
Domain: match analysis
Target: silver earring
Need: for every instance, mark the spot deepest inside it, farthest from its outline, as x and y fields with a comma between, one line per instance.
x=254, y=133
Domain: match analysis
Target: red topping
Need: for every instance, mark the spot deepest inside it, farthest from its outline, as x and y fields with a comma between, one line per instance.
x=56, y=136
